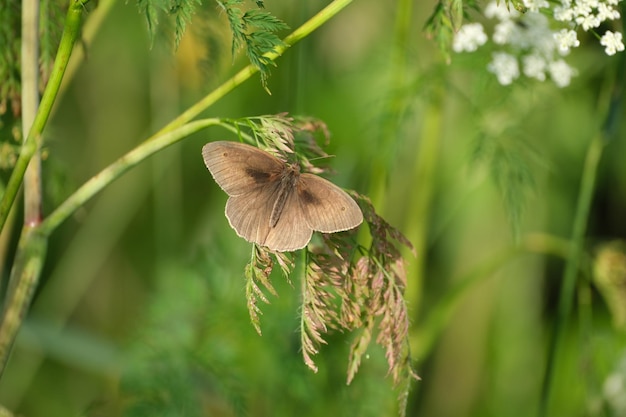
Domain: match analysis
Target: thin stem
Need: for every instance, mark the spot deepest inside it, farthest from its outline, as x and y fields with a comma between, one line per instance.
x=31, y=144
x=113, y=171
x=568, y=284
x=30, y=256
x=303, y=31
x=31, y=251
x=25, y=273
x=30, y=101
x=5, y=413
x=88, y=32
x=610, y=106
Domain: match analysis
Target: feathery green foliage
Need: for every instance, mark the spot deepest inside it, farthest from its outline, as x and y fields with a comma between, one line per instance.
x=172, y=368
x=10, y=58
x=509, y=159
x=51, y=18
x=445, y=20
x=176, y=14
x=254, y=30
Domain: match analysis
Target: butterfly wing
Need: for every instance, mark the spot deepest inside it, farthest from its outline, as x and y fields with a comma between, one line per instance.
x=291, y=232
x=249, y=215
x=251, y=178
x=326, y=207
x=239, y=169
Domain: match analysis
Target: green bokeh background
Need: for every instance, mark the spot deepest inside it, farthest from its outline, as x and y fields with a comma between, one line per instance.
x=141, y=309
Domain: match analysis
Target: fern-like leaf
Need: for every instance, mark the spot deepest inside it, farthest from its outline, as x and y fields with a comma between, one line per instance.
x=509, y=159
x=254, y=30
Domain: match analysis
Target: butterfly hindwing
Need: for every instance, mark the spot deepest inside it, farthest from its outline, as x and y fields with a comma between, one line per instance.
x=249, y=215
x=326, y=207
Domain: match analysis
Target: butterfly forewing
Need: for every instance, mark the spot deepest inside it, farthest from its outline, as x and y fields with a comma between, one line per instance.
x=239, y=168
x=326, y=207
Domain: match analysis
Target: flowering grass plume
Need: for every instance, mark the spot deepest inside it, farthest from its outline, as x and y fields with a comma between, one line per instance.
x=533, y=38
x=344, y=286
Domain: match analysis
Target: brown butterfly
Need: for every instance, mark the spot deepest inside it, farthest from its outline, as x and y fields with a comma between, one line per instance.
x=271, y=203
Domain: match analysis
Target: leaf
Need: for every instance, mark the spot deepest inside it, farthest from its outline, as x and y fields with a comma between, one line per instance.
x=509, y=158
x=456, y=14
x=254, y=30
x=263, y=21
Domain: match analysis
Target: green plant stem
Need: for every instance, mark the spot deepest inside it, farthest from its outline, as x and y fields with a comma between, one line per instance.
x=30, y=101
x=4, y=412
x=568, y=284
x=440, y=316
x=31, y=251
x=610, y=105
x=30, y=256
x=117, y=168
x=31, y=144
x=25, y=273
x=303, y=31
x=87, y=34
x=161, y=139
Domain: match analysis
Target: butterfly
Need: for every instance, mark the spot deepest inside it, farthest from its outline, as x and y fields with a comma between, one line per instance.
x=271, y=203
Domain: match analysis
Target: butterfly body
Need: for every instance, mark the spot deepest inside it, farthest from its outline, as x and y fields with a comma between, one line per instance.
x=271, y=203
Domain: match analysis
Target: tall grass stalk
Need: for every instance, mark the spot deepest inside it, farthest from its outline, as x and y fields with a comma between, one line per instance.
x=610, y=103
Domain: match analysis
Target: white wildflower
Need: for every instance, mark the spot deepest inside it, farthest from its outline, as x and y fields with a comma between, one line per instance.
x=535, y=34
x=563, y=13
x=504, y=31
x=500, y=11
x=469, y=38
x=606, y=12
x=534, y=66
x=532, y=40
x=582, y=9
x=535, y=5
x=612, y=42
x=561, y=73
x=565, y=40
x=505, y=67
x=588, y=21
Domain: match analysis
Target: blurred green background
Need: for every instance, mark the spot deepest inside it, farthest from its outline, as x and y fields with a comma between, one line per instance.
x=141, y=309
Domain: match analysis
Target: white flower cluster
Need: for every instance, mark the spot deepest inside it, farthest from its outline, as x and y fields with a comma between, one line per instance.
x=533, y=48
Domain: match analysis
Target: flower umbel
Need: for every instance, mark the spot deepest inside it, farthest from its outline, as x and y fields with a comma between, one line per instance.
x=537, y=39
x=469, y=38
x=612, y=42
x=505, y=67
